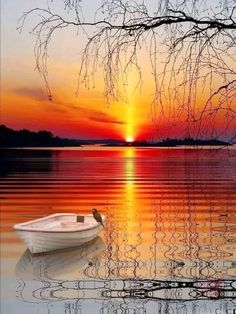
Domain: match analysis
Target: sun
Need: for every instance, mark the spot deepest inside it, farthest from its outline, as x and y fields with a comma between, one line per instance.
x=129, y=139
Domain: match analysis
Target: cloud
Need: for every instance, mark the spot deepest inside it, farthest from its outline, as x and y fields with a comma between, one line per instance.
x=92, y=114
x=64, y=107
x=35, y=93
x=98, y=116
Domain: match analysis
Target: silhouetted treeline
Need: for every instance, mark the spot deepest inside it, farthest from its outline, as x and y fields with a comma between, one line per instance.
x=190, y=141
x=169, y=142
x=26, y=138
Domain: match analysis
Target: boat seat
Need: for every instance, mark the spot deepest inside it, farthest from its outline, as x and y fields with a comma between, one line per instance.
x=80, y=218
x=72, y=224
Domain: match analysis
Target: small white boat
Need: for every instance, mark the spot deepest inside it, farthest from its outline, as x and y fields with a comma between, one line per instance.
x=58, y=231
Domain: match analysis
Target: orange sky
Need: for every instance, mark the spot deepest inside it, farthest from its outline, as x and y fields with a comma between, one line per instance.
x=25, y=104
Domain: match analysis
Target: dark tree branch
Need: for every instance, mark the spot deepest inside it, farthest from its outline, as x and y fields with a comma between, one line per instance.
x=200, y=48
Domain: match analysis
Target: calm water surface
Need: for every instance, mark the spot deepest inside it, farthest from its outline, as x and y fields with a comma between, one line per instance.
x=169, y=245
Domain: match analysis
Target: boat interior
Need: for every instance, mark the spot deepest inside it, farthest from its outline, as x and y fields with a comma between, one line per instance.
x=61, y=222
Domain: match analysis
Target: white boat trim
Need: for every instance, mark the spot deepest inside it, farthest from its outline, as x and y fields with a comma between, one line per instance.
x=25, y=225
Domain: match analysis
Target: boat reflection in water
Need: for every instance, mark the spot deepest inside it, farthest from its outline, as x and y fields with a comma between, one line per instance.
x=61, y=264
x=66, y=276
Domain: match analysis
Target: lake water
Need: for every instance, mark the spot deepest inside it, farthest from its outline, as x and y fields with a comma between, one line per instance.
x=169, y=245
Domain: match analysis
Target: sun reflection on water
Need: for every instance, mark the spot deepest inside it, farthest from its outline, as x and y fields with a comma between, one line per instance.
x=129, y=177
x=168, y=244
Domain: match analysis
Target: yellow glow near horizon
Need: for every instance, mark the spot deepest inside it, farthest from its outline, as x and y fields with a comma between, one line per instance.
x=129, y=126
x=129, y=139
x=130, y=131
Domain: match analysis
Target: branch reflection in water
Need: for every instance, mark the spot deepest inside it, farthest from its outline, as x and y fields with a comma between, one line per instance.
x=169, y=245
x=90, y=272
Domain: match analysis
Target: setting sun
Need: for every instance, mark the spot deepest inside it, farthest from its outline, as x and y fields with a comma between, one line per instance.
x=129, y=139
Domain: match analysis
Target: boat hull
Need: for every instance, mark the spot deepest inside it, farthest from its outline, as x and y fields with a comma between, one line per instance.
x=38, y=242
x=43, y=241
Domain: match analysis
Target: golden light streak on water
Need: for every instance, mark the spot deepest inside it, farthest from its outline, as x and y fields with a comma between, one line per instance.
x=130, y=208
x=171, y=217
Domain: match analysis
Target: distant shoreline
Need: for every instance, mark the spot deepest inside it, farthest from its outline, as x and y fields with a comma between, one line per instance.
x=10, y=138
x=160, y=144
x=45, y=148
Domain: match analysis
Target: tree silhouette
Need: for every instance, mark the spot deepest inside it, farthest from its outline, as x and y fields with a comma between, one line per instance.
x=191, y=46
